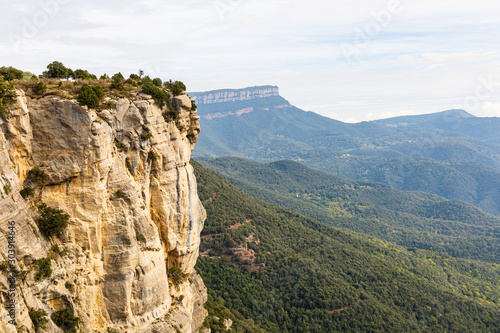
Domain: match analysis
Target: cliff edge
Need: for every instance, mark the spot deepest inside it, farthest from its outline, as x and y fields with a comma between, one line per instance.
x=233, y=95
x=125, y=261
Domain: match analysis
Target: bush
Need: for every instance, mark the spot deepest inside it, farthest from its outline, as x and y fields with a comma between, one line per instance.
x=157, y=82
x=7, y=189
x=11, y=73
x=120, y=194
x=7, y=95
x=176, y=87
x=104, y=77
x=152, y=156
x=193, y=106
x=131, y=82
x=39, y=319
x=68, y=285
x=4, y=266
x=87, y=96
x=36, y=175
x=170, y=115
x=160, y=96
x=40, y=88
x=118, y=81
x=44, y=268
x=98, y=91
x=55, y=249
x=134, y=77
x=177, y=275
x=65, y=320
x=120, y=146
x=146, y=133
x=52, y=221
x=27, y=192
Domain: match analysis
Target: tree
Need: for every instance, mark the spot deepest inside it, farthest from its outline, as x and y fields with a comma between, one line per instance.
x=141, y=73
x=10, y=73
x=7, y=95
x=81, y=74
x=52, y=221
x=118, y=81
x=157, y=81
x=87, y=96
x=56, y=70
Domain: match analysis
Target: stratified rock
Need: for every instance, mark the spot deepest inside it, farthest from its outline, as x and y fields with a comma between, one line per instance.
x=123, y=176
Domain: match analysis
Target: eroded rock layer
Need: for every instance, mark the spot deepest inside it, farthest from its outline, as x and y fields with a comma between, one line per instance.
x=123, y=176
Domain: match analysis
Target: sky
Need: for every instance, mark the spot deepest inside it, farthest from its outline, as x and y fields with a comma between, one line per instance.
x=348, y=60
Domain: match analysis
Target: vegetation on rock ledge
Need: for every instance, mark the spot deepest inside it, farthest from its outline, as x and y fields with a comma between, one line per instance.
x=52, y=221
x=84, y=86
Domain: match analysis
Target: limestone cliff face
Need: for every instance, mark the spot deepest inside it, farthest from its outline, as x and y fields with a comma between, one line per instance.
x=124, y=177
x=232, y=95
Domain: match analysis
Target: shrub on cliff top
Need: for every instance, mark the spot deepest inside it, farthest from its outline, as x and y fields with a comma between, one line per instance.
x=160, y=96
x=157, y=81
x=81, y=74
x=98, y=91
x=176, y=87
x=40, y=87
x=87, y=96
x=118, y=81
x=134, y=77
x=52, y=221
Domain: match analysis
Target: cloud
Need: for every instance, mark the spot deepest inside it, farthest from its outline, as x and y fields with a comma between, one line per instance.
x=488, y=109
x=428, y=58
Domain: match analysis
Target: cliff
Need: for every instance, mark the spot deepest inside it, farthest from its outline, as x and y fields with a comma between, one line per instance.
x=125, y=261
x=233, y=95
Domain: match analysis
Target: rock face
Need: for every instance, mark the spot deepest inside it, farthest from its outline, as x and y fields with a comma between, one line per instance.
x=123, y=176
x=232, y=95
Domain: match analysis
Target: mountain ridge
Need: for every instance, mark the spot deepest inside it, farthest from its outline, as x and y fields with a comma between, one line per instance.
x=452, y=155
x=412, y=219
x=232, y=95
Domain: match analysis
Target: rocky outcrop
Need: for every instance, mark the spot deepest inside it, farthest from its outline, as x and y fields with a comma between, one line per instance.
x=232, y=95
x=124, y=177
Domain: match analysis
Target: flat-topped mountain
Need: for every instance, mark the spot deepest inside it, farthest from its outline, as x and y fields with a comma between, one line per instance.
x=233, y=95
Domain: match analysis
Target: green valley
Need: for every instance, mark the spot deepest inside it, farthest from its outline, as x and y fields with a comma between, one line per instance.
x=273, y=268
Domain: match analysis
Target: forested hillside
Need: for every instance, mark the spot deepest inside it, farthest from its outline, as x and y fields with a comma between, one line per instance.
x=412, y=219
x=276, y=269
